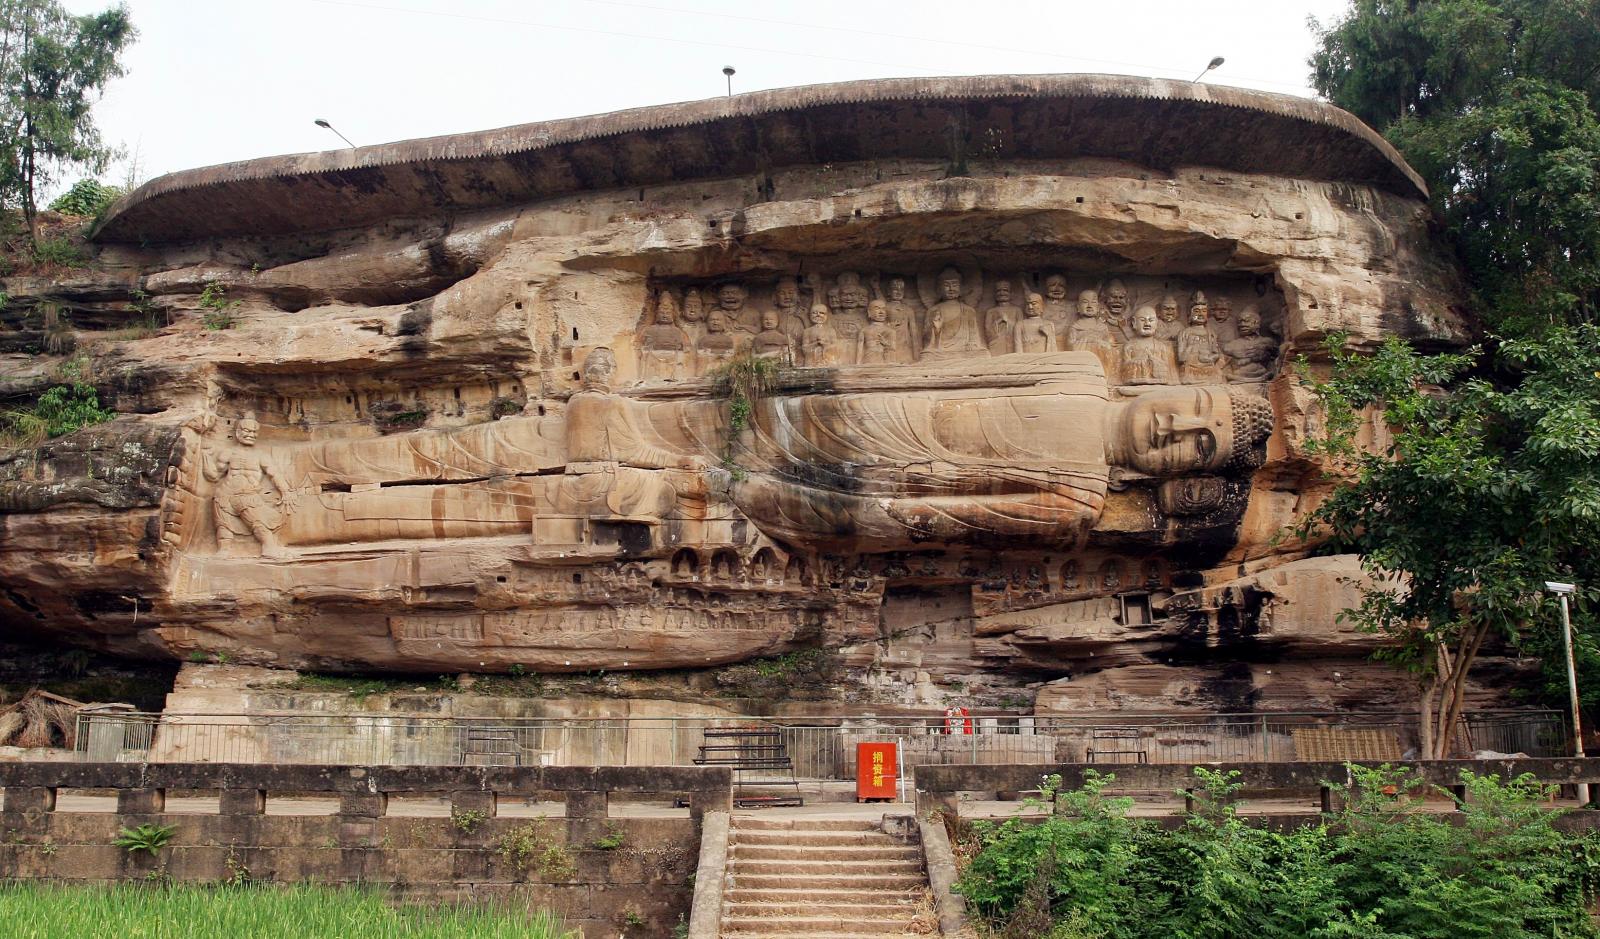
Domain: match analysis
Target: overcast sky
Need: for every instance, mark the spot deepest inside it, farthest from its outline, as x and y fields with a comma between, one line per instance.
x=210, y=81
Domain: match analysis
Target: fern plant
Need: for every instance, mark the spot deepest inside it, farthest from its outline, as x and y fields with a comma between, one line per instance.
x=148, y=837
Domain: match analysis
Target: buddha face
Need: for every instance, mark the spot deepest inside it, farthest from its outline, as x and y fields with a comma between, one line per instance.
x=786, y=294
x=1089, y=304
x=730, y=297
x=1035, y=306
x=950, y=285
x=1144, y=321
x=717, y=323
x=1116, y=298
x=1055, y=287
x=878, y=311
x=1249, y=321
x=1002, y=291
x=897, y=288
x=851, y=294
x=1173, y=432
x=666, y=309
x=1222, y=310
x=1198, y=314
x=694, y=307
x=769, y=320
x=819, y=315
x=1168, y=310
x=246, y=430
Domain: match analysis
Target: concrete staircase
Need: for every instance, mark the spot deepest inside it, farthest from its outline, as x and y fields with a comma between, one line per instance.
x=820, y=879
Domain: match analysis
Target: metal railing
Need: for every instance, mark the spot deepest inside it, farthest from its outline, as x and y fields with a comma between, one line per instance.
x=820, y=747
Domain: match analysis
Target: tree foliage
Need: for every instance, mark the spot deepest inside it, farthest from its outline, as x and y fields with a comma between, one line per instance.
x=1375, y=870
x=53, y=67
x=1487, y=488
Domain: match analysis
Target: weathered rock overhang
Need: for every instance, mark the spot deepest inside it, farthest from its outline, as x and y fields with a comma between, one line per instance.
x=963, y=121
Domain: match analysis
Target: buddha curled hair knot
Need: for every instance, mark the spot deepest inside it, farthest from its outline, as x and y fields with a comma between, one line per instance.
x=1252, y=425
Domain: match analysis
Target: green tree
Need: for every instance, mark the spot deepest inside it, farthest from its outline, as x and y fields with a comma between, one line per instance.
x=53, y=66
x=1487, y=487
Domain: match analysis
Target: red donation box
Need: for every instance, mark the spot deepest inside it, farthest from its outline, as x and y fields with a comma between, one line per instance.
x=876, y=774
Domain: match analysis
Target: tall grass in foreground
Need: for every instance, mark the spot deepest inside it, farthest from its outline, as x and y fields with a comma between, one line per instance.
x=55, y=911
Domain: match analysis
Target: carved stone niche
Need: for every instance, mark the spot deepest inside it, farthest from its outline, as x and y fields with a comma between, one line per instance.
x=1144, y=329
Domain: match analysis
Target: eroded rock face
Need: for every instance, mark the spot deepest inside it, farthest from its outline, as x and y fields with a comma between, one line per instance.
x=1028, y=417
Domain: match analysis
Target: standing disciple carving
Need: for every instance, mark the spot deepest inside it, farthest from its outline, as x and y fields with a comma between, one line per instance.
x=664, y=348
x=1221, y=317
x=1147, y=359
x=953, y=330
x=786, y=301
x=1168, y=326
x=1090, y=333
x=1000, y=321
x=1057, y=308
x=903, y=317
x=772, y=342
x=1035, y=333
x=1253, y=354
x=880, y=343
x=819, y=345
x=239, y=499
x=849, y=315
x=718, y=345
x=1199, y=355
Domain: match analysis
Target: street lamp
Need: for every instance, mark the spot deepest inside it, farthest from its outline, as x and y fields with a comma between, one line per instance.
x=727, y=71
x=1563, y=591
x=1214, y=63
x=326, y=126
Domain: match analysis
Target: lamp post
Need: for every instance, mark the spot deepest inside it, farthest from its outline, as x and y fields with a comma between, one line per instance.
x=1214, y=63
x=326, y=126
x=727, y=72
x=1563, y=591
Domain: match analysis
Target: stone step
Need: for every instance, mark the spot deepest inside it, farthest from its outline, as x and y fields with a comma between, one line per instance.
x=812, y=926
x=832, y=853
x=756, y=823
x=813, y=837
x=780, y=896
x=831, y=866
x=878, y=909
x=828, y=881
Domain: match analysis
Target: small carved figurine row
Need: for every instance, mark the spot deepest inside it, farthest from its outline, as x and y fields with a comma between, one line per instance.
x=1146, y=346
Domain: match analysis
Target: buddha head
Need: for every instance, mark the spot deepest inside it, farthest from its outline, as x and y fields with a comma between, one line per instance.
x=1035, y=306
x=1115, y=298
x=852, y=295
x=1144, y=321
x=1055, y=287
x=1221, y=310
x=598, y=367
x=1167, y=310
x=878, y=311
x=950, y=284
x=897, y=288
x=1199, y=309
x=730, y=297
x=769, y=320
x=819, y=314
x=694, y=306
x=1183, y=431
x=786, y=294
x=666, y=309
x=717, y=322
x=1249, y=322
x=1002, y=291
x=1089, y=304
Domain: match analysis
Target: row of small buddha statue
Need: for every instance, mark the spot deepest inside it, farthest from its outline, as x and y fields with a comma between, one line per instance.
x=1147, y=345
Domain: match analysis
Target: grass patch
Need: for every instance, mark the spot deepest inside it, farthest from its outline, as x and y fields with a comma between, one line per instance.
x=36, y=911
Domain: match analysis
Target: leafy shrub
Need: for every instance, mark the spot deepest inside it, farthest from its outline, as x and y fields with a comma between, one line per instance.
x=533, y=846
x=86, y=197
x=57, y=252
x=220, y=312
x=149, y=838
x=1375, y=870
x=60, y=410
